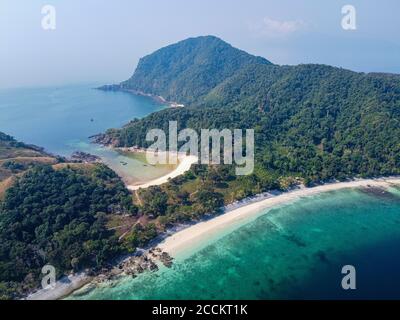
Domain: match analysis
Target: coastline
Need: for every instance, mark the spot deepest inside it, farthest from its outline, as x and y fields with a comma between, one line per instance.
x=183, y=239
x=157, y=98
x=185, y=163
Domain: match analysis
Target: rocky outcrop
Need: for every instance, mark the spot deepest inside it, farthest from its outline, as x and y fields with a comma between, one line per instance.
x=105, y=140
x=84, y=157
x=135, y=265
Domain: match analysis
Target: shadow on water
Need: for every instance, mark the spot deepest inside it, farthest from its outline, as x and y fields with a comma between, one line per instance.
x=381, y=193
x=377, y=275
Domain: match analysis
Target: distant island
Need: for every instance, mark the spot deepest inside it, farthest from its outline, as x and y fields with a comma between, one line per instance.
x=313, y=124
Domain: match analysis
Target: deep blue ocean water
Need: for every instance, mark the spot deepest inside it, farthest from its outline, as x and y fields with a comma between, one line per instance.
x=294, y=251
x=61, y=119
x=58, y=117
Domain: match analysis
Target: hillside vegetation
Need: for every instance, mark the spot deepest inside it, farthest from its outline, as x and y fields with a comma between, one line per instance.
x=54, y=213
x=311, y=121
x=188, y=70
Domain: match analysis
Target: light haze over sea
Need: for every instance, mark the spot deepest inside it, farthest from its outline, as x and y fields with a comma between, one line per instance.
x=295, y=250
x=102, y=40
x=292, y=251
x=61, y=120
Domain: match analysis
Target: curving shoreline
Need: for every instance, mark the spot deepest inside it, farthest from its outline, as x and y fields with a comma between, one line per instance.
x=184, y=239
x=184, y=165
x=192, y=235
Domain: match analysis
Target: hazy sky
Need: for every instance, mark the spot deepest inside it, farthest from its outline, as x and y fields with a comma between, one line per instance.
x=99, y=40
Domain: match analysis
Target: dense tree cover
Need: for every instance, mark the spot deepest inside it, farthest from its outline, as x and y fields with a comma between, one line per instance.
x=171, y=203
x=179, y=203
x=313, y=121
x=188, y=70
x=14, y=166
x=155, y=202
x=140, y=235
x=200, y=192
x=58, y=217
x=323, y=122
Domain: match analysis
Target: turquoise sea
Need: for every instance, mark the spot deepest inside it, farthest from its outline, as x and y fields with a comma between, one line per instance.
x=61, y=119
x=294, y=251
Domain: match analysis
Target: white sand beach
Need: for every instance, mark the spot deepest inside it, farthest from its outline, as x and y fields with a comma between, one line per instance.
x=184, y=165
x=194, y=234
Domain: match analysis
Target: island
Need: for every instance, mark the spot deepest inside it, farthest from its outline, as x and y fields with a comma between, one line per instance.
x=317, y=128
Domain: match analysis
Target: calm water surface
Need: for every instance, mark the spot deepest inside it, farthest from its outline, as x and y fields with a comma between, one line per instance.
x=295, y=251
x=61, y=119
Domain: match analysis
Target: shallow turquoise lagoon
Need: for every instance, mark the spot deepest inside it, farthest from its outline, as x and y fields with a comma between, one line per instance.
x=294, y=251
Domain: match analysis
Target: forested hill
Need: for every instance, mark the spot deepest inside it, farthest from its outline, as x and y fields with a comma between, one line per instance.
x=314, y=121
x=186, y=71
x=54, y=213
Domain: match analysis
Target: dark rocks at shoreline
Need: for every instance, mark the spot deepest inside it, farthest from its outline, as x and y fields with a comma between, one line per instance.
x=153, y=267
x=84, y=157
x=379, y=192
x=166, y=259
x=104, y=140
x=135, y=265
